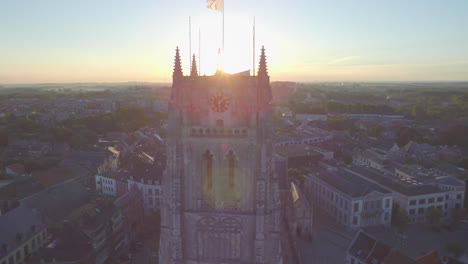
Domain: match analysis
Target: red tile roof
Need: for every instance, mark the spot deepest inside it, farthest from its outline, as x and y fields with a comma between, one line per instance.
x=429, y=258
x=17, y=168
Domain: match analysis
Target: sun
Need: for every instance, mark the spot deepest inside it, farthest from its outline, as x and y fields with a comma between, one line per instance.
x=238, y=50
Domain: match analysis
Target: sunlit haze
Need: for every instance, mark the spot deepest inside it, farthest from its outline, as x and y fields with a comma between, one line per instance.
x=306, y=40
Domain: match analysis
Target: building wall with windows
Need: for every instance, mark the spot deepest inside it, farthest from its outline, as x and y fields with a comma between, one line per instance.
x=416, y=206
x=416, y=197
x=150, y=190
x=347, y=206
x=22, y=233
x=455, y=191
x=105, y=185
x=22, y=252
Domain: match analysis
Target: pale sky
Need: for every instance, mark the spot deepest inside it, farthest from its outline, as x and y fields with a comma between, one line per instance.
x=305, y=40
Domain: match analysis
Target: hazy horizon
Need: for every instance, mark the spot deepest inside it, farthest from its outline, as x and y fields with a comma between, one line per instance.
x=311, y=41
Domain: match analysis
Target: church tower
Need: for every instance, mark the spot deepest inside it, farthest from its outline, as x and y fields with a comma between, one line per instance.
x=220, y=191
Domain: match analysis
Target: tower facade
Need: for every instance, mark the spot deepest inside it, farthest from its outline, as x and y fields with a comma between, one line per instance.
x=220, y=191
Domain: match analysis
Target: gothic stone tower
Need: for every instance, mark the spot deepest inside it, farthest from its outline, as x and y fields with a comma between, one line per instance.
x=220, y=190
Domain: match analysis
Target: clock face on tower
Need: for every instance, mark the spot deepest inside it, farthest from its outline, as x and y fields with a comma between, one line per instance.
x=219, y=102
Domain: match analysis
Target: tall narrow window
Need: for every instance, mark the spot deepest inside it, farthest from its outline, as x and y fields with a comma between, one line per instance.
x=208, y=160
x=231, y=167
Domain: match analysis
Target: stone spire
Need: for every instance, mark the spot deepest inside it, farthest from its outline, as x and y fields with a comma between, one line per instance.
x=177, y=65
x=262, y=68
x=194, y=70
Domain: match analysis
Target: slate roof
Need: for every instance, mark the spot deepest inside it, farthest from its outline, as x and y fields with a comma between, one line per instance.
x=348, y=183
x=393, y=183
x=449, y=180
x=451, y=169
x=83, y=157
x=57, y=201
x=53, y=176
x=20, y=188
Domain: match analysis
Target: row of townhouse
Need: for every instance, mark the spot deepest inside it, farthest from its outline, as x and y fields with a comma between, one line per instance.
x=22, y=233
x=352, y=201
x=24, y=230
x=416, y=197
x=149, y=187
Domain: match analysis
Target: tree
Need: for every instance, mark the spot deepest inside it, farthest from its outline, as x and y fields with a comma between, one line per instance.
x=347, y=158
x=463, y=162
x=433, y=215
x=399, y=216
x=458, y=214
x=455, y=248
x=297, y=174
x=418, y=112
x=407, y=134
x=375, y=131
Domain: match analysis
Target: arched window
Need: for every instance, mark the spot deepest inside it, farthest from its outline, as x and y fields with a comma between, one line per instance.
x=231, y=158
x=208, y=168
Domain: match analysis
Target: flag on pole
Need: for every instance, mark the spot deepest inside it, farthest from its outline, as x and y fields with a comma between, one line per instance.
x=217, y=5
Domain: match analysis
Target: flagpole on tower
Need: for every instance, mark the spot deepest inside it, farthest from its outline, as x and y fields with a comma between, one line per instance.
x=223, y=26
x=253, y=59
x=199, y=51
x=190, y=42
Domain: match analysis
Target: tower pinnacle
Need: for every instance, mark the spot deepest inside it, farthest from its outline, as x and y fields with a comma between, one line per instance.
x=194, y=70
x=262, y=68
x=177, y=65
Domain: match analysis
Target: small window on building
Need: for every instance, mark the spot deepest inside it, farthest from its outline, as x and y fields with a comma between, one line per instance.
x=219, y=123
x=440, y=199
x=355, y=220
x=387, y=203
x=422, y=201
x=386, y=216
x=431, y=200
x=459, y=196
x=421, y=211
x=356, y=207
x=412, y=202
x=412, y=211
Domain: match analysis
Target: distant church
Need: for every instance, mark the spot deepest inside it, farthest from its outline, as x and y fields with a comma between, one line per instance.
x=220, y=190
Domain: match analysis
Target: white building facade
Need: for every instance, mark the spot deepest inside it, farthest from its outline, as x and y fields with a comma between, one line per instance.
x=352, y=202
x=150, y=190
x=106, y=185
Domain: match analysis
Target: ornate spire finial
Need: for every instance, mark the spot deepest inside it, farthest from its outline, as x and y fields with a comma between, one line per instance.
x=262, y=68
x=194, y=70
x=177, y=64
